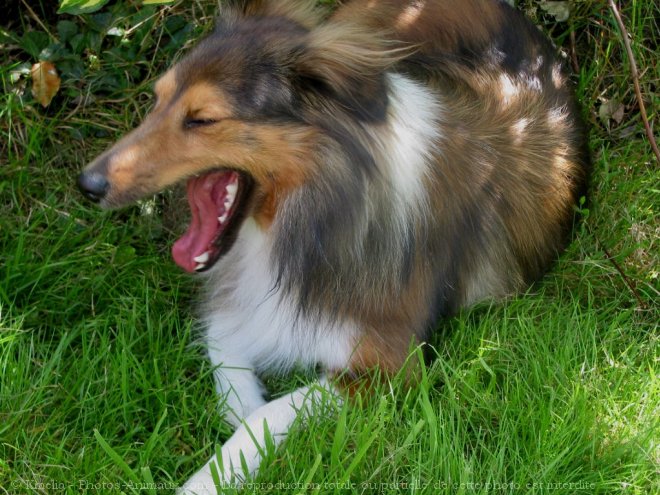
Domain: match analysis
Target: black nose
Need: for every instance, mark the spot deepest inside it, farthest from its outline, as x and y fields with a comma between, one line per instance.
x=93, y=185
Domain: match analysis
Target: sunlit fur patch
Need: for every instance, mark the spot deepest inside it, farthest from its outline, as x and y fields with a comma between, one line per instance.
x=203, y=101
x=165, y=87
x=509, y=90
x=518, y=130
x=410, y=15
x=558, y=78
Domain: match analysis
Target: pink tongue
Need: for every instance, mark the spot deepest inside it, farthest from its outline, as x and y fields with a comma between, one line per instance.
x=205, y=196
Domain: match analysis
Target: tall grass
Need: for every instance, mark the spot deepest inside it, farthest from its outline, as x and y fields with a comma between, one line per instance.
x=103, y=389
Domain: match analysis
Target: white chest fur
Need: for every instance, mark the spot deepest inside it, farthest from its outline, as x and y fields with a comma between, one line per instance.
x=247, y=315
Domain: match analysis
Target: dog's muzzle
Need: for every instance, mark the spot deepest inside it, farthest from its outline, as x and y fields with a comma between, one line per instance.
x=93, y=185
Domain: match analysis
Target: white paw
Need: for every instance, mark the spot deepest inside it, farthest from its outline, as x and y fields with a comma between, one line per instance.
x=200, y=484
x=245, y=447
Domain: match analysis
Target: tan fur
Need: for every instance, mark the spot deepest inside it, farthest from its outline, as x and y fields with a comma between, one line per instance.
x=342, y=49
x=281, y=164
x=165, y=87
x=278, y=157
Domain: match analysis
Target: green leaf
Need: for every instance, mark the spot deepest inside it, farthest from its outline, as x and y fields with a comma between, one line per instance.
x=66, y=30
x=19, y=72
x=157, y=2
x=124, y=255
x=174, y=24
x=101, y=22
x=8, y=36
x=77, y=7
x=312, y=472
x=54, y=52
x=148, y=477
x=33, y=42
x=78, y=43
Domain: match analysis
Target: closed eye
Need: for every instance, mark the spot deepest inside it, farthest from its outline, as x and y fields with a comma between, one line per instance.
x=195, y=123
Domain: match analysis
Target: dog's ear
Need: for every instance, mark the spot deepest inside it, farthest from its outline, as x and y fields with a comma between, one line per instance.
x=307, y=13
x=350, y=62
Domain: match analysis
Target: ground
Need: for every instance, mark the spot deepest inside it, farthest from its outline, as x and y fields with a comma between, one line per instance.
x=103, y=388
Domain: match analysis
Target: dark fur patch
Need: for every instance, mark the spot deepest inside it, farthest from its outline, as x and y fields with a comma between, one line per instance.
x=268, y=67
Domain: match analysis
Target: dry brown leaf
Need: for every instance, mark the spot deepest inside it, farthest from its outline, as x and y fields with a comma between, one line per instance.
x=561, y=11
x=45, y=82
x=611, y=110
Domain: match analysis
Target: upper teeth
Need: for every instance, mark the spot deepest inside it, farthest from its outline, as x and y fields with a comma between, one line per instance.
x=223, y=218
x=231, y=190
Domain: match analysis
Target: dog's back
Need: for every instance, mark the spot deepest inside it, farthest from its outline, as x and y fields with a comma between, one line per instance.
x=512, y=158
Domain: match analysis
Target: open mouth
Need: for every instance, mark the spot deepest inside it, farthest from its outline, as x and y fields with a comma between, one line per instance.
x=218, y=205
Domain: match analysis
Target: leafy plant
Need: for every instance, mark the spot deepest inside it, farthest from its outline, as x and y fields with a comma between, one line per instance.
x=76, y=7
x=103, y=59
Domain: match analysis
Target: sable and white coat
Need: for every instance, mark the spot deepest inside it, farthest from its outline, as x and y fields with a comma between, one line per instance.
x=353, y=177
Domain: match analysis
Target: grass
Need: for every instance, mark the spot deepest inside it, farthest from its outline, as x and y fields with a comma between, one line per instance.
x=104, y=390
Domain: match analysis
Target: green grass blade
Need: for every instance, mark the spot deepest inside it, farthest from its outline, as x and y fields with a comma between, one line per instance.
x=116, y=458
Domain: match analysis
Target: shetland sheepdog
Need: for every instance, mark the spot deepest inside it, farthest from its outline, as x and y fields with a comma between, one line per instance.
x=353, y=176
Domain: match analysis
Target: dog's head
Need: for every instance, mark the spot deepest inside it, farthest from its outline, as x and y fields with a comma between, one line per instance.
x=239, y=118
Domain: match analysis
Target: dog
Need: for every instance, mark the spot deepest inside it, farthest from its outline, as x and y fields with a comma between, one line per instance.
x=353, y=176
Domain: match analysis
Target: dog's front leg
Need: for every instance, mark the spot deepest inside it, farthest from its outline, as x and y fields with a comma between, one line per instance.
x=249, y=439
x=237, y=383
